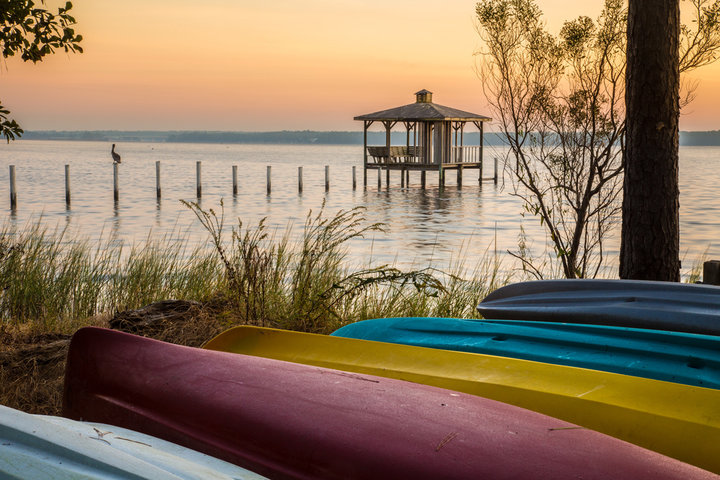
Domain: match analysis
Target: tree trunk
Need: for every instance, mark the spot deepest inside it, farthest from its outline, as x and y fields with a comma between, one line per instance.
x=650, y=247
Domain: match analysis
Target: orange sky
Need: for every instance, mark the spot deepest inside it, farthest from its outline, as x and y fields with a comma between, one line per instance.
x=267, y=65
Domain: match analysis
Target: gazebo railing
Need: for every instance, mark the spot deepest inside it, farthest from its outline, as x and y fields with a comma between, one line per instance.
x=469, y=154
x=403, y=154
x=396, y=154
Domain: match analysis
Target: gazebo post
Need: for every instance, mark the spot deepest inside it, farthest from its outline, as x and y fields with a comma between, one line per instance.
x=388, y=129
x=482, y=139
x=479, y=125
x=366, y=124
x=415, y=141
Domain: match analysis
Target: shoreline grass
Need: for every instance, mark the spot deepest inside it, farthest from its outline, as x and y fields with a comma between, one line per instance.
x=51, y=284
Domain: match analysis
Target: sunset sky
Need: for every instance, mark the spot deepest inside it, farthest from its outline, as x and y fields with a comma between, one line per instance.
x=268, y=65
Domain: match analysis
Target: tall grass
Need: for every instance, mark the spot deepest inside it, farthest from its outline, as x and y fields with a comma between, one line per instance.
x=53, y=282
x=308, y=285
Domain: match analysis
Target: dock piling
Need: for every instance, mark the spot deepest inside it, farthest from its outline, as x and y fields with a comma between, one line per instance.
x=234, y=179
x=67, y=186
x=13, y=190
x=268, y=182
x=327, y=177
x=711, y=272
x=198, y=174
x=116, y=188
x=158, y=189
x=354, y=178
x=300, y=179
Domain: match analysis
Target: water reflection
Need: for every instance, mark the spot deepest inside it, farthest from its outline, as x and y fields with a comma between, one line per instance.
x=422, y=223
x=158, y=212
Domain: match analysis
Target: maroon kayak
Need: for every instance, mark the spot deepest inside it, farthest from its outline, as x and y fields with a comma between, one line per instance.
x=286, y=420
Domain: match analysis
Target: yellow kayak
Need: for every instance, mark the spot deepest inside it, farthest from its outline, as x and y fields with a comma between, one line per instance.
x=680, y=421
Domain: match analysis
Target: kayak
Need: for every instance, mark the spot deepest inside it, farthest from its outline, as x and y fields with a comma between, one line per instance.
x=681, y=307
x=37, y=446
x=677, y=420
x=678, y=357
x=291, y=421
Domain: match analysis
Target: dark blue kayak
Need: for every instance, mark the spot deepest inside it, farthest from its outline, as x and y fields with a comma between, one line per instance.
x=680, y=307
x=678, y=357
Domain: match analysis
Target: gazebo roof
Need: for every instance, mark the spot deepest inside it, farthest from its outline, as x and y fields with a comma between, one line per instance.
x=424, y=110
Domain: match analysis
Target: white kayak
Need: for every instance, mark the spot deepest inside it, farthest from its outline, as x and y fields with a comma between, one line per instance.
x=37, y=446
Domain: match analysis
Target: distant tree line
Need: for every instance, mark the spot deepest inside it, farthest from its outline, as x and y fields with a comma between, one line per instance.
x=700, y=139
x=286, y=137
x=305, y=137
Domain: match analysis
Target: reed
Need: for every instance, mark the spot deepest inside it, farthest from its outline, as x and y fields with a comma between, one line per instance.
x=162, y=269
x=308, y=285
x=54, y=283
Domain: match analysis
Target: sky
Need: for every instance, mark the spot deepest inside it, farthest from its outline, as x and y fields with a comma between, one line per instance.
x=241, y=65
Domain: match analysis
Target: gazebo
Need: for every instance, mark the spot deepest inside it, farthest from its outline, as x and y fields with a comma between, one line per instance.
x=436, y=142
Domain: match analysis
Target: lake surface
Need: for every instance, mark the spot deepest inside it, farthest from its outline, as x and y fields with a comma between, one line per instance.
x=423, y=226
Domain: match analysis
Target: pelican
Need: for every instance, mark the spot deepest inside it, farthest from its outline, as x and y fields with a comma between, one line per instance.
x=115, y=155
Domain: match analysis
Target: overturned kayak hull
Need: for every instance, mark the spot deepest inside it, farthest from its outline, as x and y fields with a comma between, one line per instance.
x=677, y=420
x=36, y=446
x=288, y=420
x=678, y=357
x=680, y=307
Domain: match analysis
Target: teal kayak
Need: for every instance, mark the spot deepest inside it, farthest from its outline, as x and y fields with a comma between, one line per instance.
x=36, y=446
x=686, y=358
x=680, y=307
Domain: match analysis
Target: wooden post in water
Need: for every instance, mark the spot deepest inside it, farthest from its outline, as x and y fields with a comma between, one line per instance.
x=495, y=176
x=422, y=179
x=402, y=178
x=158, y=189
x=234, y=179
x=327, y=177
x=711, y=272
x=300, y=180
x=13, y=190
x=387, y=178
x=198, y=182
x=459, y=175
x=407, y=178
x=116, y=189
x=354, y=178
x=67, y=185
x=379, y=170
x=269, y=185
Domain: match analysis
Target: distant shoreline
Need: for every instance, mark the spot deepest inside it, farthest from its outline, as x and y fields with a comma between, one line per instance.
x=289, y=137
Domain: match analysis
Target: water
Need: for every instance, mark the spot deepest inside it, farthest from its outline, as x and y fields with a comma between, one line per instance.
x=423, y=226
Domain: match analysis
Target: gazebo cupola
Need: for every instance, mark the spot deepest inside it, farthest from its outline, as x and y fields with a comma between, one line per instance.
x=423, y=96
x=436, y=143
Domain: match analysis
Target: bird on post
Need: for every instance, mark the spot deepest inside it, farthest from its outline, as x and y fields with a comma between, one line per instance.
x=115, y=155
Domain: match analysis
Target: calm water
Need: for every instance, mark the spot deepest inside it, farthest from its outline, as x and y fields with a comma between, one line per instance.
x=423, y=225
